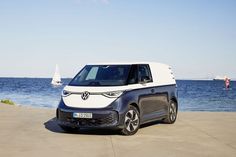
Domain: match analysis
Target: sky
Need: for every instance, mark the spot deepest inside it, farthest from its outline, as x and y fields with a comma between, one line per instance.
x=196, y=37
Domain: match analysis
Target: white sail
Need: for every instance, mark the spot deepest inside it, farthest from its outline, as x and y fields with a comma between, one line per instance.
x=56, y=80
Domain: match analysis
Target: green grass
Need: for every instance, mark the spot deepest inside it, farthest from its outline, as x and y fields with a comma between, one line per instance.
x=7, y=101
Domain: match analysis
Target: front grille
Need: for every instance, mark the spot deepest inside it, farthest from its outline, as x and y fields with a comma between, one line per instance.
x=107, y=118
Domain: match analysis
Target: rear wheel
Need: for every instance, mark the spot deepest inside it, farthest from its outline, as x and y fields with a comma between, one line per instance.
x=131, y=122
x=172, y=113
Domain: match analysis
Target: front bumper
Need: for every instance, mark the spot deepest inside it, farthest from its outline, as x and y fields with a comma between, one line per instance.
x=108, y=117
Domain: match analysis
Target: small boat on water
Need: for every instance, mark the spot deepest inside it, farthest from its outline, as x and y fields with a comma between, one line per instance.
x=219, y=78
x=56, y=80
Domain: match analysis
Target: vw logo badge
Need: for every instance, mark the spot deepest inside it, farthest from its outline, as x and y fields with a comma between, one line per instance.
x=85, y=95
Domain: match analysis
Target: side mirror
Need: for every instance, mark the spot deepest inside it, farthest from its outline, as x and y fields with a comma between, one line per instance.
x=145, y=79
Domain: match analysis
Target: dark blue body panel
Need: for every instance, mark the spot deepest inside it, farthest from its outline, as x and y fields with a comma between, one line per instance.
x=152, y=104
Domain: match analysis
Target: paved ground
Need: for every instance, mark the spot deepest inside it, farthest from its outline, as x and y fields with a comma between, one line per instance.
x=33, y=132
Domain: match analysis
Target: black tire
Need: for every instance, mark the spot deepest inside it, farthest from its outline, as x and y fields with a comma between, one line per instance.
x=131, y=121
x=172, y=113
x=69, y=129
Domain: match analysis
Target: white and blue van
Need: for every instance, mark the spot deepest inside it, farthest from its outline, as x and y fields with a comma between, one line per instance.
x=119, y=95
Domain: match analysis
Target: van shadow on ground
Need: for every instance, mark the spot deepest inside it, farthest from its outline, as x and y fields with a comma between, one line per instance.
x=52, y=126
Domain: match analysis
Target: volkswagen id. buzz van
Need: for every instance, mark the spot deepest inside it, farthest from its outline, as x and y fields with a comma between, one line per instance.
x=119, y=95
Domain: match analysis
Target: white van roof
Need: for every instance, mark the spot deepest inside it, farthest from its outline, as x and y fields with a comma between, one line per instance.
x=122, y=63
x=162, y=74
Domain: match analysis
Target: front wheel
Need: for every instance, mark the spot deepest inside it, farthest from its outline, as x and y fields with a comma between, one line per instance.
x=172, y=113
x=131, y=122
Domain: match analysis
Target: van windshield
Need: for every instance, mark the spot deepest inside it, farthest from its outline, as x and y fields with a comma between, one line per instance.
x=102, y=75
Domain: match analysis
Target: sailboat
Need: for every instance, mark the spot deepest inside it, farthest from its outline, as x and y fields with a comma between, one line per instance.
x=56, y=80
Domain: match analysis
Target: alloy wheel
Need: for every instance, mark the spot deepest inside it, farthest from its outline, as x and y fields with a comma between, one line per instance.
x=173, y=111
x=131, y=120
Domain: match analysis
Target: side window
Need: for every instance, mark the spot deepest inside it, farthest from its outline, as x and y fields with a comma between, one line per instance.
x=144, y=73
x=133, y=76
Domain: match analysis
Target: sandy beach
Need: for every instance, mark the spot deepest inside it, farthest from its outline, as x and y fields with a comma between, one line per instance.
x=31, y=132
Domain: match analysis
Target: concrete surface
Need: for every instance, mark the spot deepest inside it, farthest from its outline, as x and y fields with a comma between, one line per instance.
x=29, y=132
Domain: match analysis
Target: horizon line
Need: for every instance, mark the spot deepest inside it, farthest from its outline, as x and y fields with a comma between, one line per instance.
x=192, y=79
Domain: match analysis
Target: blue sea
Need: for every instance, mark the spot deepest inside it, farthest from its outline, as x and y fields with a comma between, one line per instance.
x=193, y=95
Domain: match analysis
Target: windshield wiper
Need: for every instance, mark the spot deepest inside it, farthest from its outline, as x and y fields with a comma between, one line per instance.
x=94, y=83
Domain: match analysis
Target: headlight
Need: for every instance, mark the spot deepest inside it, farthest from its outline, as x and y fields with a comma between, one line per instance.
x=114, y=94
x=65, y=93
